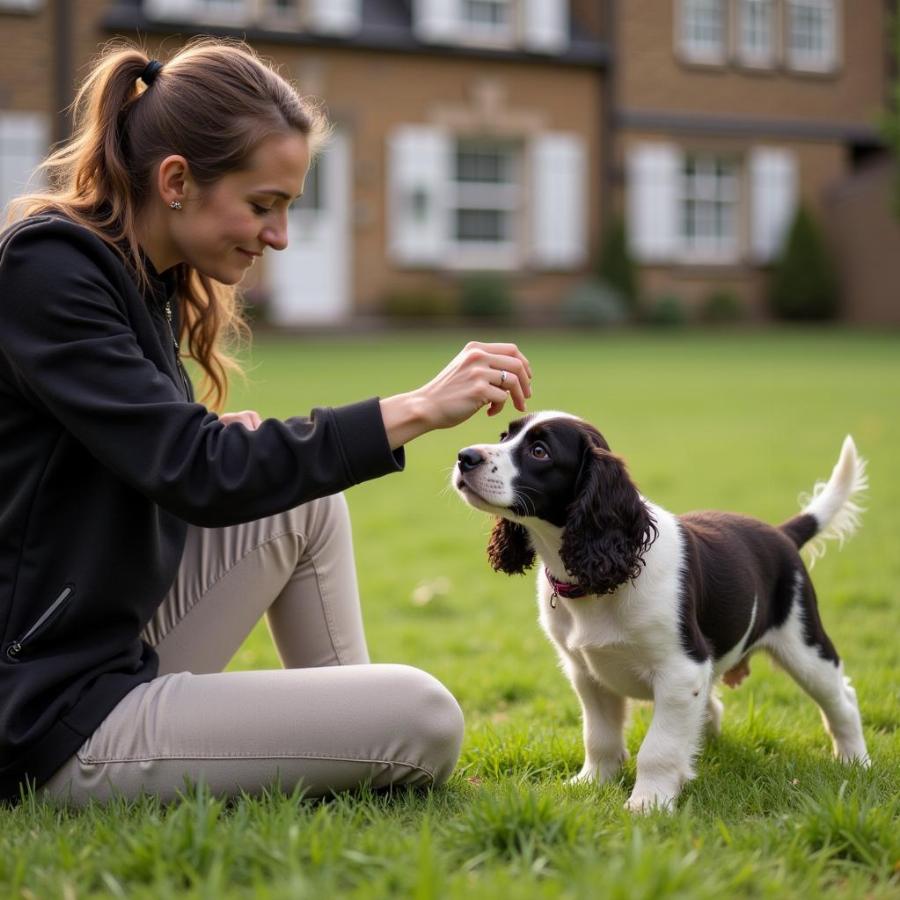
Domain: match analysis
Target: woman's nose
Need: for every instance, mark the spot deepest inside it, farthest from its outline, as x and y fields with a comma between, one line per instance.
x=275, y=236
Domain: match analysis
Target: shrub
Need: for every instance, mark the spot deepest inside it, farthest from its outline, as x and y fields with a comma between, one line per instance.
x=722, y=306
x=418, y=304
x=485, y=295
x=667, y=311
x=594, y=302
x=804, y=284
x=616, y=266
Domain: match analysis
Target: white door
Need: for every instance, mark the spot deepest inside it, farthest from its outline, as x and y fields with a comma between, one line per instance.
x=310, y=279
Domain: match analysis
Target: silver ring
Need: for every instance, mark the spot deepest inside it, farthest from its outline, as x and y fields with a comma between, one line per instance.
x=502, y=376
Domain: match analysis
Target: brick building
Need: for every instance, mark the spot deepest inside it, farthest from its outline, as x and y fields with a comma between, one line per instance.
x=505, y=134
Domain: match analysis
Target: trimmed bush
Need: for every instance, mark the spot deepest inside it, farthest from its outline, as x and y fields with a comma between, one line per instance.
x=666, y=311
x=616, y=266
x=721, y=307
x=485, y=295
x=594, y=302
x=804, y=283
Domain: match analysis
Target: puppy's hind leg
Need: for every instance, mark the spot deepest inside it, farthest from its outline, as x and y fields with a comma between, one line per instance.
x=603, y=722
x=802, y=648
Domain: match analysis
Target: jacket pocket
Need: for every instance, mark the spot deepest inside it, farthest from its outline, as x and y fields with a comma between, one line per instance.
x=15, y=648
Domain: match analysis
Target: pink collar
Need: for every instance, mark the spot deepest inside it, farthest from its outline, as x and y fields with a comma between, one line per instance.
x=563, y=589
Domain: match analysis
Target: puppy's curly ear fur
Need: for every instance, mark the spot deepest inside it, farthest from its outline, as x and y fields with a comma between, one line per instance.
x=609, y=529
x=509, y=548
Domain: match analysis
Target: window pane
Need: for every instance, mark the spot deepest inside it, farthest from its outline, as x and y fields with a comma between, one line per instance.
x=703, y=27
x=811, y=32
x=481, y=225
x=493, y=13
x=709, y=206
x=756, y=28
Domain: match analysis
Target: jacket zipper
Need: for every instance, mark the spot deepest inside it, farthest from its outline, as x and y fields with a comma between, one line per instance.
x=15, y=648
x=177, y=346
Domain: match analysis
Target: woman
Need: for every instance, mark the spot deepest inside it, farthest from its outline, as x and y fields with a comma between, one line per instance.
x=141, y=534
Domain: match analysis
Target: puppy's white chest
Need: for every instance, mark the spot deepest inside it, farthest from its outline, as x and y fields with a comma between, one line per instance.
x=597, y=639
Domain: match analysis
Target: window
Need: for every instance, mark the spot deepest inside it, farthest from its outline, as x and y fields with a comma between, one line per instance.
x=226, y=12
x=703, y=30
x=812, y=44
x=709, y=209
x=756, y=34
x=20, y=5
x=484, y=197
x=487, y=18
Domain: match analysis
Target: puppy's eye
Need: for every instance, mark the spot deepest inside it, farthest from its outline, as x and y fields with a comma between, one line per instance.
x=504, y=435
x=539, y=451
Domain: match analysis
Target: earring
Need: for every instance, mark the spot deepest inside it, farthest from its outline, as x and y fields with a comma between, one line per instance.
x=175, y=204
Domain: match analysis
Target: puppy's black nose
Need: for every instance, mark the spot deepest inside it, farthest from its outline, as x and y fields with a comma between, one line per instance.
x=469, y=459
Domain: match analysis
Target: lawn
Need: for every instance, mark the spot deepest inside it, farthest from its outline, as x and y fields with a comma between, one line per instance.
x=745, y=422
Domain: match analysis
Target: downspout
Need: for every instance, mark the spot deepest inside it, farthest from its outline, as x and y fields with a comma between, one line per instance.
x=63, y=75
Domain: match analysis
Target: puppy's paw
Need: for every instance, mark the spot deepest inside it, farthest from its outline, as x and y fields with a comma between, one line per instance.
x=649, y=801
x=598, y=772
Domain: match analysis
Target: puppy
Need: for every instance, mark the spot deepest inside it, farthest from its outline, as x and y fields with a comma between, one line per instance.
x=646, y=604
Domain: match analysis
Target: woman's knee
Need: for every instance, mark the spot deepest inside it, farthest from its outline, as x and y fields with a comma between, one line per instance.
x=436, y=720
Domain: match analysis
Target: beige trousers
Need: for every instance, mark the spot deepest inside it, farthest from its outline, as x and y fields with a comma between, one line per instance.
x=329, y=720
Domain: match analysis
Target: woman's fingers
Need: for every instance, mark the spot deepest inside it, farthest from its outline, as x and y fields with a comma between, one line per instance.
x=503, y=350
x=247, y=417
x=516, y=381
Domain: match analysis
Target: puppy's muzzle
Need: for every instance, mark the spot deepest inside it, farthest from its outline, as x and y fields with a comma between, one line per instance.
x=469, y=459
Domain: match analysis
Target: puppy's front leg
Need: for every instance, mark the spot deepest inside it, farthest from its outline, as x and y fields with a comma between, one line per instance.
x=603, y=720
x=665, y=760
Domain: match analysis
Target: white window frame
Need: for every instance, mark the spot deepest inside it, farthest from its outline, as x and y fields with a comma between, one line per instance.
x=24, y=141
x=21, y=6
x=503, y=196
x=688, y=49
x=823, y=59
x=473, y=33
x=710, y=192
x=747, y=23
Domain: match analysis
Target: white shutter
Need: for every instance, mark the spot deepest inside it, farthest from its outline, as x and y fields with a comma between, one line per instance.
x=652, y=189
x=559, y=192
x=546, y=25
x=774, y=177
x=24, y=141
x=170, y=9
x=418, y=179
x=437, y=20
x=335, y=16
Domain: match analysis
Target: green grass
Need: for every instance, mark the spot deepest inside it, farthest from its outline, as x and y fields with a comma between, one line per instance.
x=744, y=422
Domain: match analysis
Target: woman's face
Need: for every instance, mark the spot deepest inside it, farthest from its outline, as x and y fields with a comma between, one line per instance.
x=221, y=229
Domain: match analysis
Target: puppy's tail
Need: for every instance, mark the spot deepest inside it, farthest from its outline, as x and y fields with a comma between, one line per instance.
x=832, y=510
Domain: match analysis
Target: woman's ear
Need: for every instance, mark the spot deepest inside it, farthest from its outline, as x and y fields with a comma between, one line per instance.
x=609, y=528
x=509, y=548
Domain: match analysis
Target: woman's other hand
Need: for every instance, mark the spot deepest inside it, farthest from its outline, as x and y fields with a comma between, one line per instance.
x=479, y=375
x=247, y=417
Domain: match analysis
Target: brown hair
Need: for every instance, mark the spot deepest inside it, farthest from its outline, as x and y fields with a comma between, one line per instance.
x=212, y=102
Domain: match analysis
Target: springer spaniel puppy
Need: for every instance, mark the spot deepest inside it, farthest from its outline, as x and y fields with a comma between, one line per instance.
x=646, y=604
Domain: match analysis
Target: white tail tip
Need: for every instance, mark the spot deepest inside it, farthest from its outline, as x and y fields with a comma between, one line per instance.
x=834, y=503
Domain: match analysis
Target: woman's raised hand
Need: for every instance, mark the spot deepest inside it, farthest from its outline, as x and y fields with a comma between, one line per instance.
x=481, y=374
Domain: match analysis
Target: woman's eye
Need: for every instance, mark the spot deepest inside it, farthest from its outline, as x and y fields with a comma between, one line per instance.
x=259, y=210
x=539, y=451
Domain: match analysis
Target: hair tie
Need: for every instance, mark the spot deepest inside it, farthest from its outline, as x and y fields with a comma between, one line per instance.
x=151, y=70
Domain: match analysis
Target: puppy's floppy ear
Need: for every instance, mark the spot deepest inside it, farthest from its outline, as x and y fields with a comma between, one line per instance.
x=509, y=548
x=609, y=529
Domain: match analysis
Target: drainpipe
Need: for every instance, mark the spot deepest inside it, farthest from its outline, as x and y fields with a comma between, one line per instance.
x=608, y=119
x=63, y=74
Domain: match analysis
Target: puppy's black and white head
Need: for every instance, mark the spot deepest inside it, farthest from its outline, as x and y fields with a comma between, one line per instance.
x=554, y=467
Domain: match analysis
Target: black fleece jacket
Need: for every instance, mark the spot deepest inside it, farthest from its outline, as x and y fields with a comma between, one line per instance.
x=104, y=460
